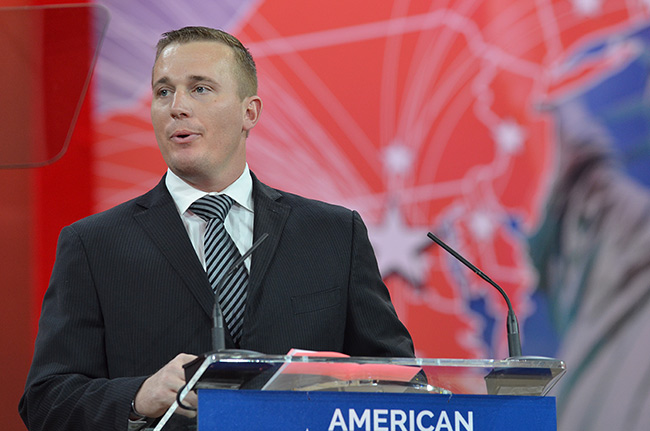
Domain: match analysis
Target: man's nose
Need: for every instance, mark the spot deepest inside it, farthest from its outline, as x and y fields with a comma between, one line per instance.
x=181, y=106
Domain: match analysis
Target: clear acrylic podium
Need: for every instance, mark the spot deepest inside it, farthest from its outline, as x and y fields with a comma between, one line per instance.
x=246, y=390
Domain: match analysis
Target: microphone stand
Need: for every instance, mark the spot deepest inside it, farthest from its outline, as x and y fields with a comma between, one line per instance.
x=512, y=326
x=218, y=332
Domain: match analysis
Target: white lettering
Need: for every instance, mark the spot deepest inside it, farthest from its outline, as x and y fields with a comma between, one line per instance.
x=467, y=424
x=337, y=421
x=378, y=416
x=443, y=421
x=419, y=420
x=398, y=422
x=359, y=421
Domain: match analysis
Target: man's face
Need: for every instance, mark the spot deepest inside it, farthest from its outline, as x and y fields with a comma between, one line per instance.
x=199, y=119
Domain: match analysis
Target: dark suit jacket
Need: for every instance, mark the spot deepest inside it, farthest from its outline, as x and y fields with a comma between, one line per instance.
x=128, y=293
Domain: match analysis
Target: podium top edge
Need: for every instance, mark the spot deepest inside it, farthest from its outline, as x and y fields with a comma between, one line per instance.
x=324, y=357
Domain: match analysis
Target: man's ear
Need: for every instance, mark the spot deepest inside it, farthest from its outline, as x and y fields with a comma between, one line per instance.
x=252, y=112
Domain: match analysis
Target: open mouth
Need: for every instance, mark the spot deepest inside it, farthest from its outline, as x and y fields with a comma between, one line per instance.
x=183, y=136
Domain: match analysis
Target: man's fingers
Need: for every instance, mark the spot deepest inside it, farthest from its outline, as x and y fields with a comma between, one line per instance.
x=190, y=400
x=158, y=392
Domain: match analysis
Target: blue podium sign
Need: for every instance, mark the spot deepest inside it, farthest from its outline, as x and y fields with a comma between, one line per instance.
x=227, y=410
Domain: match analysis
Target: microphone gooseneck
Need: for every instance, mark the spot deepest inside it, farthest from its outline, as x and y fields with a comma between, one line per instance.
x=514, y=342
x=218, y=334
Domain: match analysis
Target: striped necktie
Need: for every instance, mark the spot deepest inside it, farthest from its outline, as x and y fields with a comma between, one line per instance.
x=220, y=253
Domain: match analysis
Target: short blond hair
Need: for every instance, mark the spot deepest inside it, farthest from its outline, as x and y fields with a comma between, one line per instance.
x=247, y=71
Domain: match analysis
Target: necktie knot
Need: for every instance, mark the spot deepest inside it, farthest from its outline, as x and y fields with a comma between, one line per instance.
x=212, y=207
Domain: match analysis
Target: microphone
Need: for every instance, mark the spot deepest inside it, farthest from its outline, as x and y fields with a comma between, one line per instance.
x=514, y=342
x=218, y=335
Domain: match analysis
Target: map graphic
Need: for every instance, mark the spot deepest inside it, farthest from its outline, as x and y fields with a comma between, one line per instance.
x=422, y=115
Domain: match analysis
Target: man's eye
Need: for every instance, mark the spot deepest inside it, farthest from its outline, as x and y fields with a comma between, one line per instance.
x=200, y=89
x=163, y=92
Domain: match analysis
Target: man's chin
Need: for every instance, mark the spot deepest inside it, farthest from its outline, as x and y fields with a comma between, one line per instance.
x=186, y=171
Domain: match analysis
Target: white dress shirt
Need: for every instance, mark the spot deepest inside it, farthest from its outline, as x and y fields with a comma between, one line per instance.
x=238, y=223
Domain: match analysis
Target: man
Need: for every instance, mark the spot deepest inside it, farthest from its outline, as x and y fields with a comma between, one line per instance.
x=129, y=302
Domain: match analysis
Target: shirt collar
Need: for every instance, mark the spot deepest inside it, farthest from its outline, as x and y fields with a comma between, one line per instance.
x=184, y=195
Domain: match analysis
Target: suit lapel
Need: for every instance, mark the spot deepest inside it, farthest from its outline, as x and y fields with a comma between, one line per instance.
x=270, y=217
x=159, y=217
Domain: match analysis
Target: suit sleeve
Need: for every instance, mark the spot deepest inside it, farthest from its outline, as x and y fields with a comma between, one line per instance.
x=372, y=327
x=69, y=387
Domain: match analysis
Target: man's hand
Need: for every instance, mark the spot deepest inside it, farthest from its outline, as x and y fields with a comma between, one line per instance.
x=158, y=392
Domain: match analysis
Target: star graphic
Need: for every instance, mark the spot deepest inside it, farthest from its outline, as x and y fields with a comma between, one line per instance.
x=482, y=225
x=399, y=247
x=509, y=136
x=588, y=7
x=398, y=159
